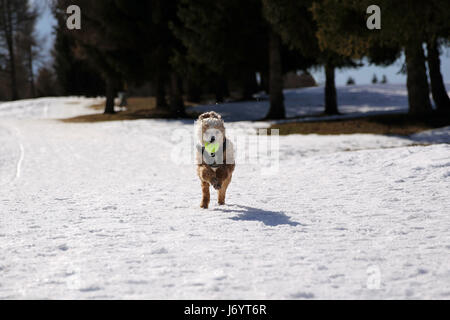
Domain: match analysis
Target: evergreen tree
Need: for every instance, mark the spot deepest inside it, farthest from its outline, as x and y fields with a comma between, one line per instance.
x=437, y=34
x=28, y=51
x=406, y=24
x=232, y=39
x=74, y=76
x=130, y=41
x=46, y=83
x=143, y=28
x=227, y=37
x=199, y=79
x=294, y=22
x=277, y=109
x=438, y=90
x=16, y=17
x=95, y=44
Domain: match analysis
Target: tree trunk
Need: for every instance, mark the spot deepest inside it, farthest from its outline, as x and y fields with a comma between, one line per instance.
x=176, y=98
x=12, y=75
x=9, y=35
x=417, y=82
x=160, y=90
x=277, y=110
x=221, y=88
x=331, y=106
x=31, y=72
x=110, y=96
x=265, y=82
x=194, y=92
x=250, y=85
x=438, y=91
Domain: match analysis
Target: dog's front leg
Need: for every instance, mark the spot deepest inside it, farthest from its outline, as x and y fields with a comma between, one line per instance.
x=224, y=176
x=223, y=191
x=207, y=177
x=205, y=195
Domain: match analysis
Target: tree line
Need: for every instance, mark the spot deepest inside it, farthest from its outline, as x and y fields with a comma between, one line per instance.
x=187, y=48
x=408, y=26
x=19, y=49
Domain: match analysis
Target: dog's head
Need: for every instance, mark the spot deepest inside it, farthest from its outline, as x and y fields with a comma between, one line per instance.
x=210, y=128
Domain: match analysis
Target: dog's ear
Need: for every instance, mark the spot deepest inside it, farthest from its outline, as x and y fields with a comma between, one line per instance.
x=216, y=115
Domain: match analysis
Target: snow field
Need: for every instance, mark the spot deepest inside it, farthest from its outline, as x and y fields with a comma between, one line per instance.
x=99, y=211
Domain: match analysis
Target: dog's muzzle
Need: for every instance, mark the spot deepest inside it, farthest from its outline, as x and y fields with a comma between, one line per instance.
x=209, y=152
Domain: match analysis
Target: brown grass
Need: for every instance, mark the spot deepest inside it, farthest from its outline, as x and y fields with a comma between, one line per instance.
x=138, y=108
x=389, y=124
x=394, y=124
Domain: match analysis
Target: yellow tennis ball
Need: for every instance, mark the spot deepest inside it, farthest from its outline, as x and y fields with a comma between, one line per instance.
x=212, y=147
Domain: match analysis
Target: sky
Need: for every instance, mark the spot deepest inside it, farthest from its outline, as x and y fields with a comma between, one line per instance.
x=362, y=75
x=44, y=29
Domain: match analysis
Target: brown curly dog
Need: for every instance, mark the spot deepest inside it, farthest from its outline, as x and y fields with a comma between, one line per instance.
x=215, y=157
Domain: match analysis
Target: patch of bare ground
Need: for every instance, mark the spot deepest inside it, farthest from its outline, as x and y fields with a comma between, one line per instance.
x=388, y=124
x=138, y=108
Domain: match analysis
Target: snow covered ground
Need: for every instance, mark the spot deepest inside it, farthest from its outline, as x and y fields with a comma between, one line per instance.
x=99, y=210
x=354, y=101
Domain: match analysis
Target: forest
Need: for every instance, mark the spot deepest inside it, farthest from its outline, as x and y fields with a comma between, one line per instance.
x=180, y=51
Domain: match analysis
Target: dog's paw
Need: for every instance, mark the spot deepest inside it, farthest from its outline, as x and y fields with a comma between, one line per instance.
x=204, y=205
x=216, y=184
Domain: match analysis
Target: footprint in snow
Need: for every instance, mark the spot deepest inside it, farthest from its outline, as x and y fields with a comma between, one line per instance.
x=63, y=247
x=160, y=251
x=109, y=208
x=303, y=295
x=90, y=289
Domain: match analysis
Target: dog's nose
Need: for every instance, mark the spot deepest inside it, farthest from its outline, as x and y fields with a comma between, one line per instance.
x=213, y=139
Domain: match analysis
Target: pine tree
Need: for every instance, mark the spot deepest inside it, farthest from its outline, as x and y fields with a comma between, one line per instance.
x=294, y=22
x=96, y=45
x=131, y=41
x=74, y=76
x=438, y=90
x=46, y=83
x=28, y=52
x=16, y=16
x=144, y=28
x=228, y=38
x=277, y=109
x=405, y=24
x=437, y=33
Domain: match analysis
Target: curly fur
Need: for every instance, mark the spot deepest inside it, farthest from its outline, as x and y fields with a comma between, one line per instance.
x=207, y=121
x=220, y=176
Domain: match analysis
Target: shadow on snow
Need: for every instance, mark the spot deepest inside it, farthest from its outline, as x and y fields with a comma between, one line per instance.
x=269, y=218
